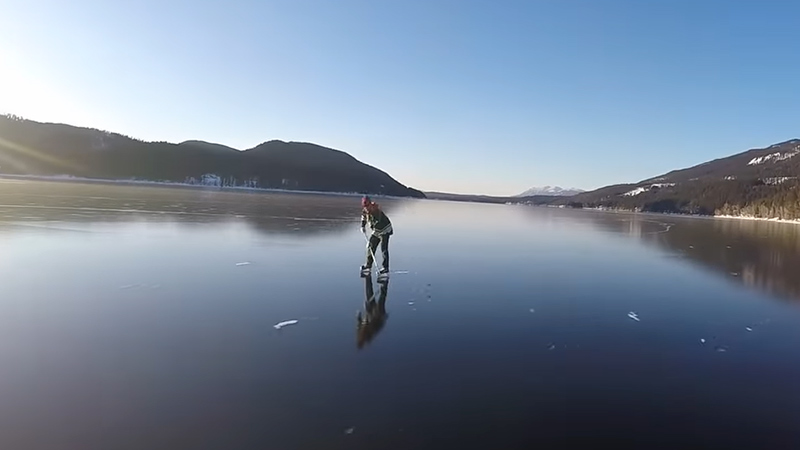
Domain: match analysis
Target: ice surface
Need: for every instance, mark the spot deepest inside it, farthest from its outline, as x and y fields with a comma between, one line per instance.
x=139, y=286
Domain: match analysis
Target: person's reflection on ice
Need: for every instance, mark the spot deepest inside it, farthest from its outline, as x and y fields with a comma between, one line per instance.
x=370, y=323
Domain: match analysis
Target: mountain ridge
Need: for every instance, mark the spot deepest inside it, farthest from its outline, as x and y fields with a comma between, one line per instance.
x=51, y=149
x=478, y=198
x=760, y=182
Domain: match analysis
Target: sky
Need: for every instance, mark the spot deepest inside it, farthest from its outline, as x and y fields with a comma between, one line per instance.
x=488, y=97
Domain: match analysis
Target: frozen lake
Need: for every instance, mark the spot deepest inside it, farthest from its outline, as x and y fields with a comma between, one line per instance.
x=137, y=317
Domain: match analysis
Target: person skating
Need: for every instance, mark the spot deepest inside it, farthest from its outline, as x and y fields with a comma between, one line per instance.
x=381, y=231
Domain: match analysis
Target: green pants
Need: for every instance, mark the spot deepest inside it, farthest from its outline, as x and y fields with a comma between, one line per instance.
x=373, y=245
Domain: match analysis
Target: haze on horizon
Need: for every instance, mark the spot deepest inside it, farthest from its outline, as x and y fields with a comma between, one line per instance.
x=449, y=96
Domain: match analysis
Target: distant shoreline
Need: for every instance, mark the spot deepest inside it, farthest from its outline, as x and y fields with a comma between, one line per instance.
x=696, y=216
x=761, y=219
x=175, y=184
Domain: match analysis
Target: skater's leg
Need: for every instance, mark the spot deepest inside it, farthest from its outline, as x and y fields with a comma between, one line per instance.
x=385, y=251
x=372, y=245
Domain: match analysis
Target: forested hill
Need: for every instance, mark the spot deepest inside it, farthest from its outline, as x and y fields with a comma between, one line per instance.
x=760, y=183
x=45, y=149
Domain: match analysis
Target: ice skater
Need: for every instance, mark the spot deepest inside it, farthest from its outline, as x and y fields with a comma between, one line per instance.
x=381, y=230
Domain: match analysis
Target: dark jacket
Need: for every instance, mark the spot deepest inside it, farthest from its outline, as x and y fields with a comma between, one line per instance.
x=378, y=221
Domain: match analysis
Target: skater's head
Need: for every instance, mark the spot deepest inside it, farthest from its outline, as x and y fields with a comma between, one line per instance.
x=365, y=201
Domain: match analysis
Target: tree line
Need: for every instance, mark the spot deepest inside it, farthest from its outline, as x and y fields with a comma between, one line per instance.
x=754, y=198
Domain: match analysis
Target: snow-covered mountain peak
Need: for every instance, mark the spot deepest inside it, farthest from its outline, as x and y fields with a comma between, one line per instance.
x=550, y=190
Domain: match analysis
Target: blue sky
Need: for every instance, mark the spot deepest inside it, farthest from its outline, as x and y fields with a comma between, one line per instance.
x=463, y=96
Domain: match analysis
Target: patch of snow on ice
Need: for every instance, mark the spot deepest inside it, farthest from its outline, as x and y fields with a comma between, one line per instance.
x=285, y=323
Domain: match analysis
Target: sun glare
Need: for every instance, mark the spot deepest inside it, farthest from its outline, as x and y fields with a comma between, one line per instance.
x=25, y=95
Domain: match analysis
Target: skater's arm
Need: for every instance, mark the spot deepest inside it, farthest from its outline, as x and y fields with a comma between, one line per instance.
x=363, y=218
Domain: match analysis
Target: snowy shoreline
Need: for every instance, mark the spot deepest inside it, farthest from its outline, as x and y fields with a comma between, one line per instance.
x=760, y=219
x=690, y=216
